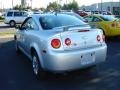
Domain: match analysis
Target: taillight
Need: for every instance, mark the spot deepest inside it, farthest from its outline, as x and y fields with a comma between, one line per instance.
x=83, y=30
x=67, y=41
x=98, y=38
x=103, y=37
x=55, y=43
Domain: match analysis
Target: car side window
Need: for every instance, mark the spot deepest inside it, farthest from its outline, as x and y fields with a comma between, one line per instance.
x=24, y=14
x=18, y=14
x=89, y=19
x=96, y=19
x=9, y=14
x=30, y=25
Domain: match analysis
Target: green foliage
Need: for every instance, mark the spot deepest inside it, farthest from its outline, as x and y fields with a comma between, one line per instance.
x=42, y=9
x=53, y=6
x=19, y=7
x=1, y=18
x=71, y=6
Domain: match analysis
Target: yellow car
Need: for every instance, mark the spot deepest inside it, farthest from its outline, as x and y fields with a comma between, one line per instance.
x=108, y=23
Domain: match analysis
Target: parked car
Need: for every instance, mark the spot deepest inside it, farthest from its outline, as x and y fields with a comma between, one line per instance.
x=81, y=13
x=74, y=14
x=117, y=16
x=59, y=43
x=102, y=12
x=88, y=12
x=108, y=23
x=14, y=17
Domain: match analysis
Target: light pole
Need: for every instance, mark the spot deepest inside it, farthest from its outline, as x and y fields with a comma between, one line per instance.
x=12, y=4
x=31, y=4
x=101, y=6
x=66, y=1
x=119, y=7
x=111, y=7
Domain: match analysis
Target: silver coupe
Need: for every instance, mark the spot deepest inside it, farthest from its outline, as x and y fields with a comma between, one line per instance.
x=60, y=43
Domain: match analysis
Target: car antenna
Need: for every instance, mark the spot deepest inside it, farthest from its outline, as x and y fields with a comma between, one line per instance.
x=57, y=10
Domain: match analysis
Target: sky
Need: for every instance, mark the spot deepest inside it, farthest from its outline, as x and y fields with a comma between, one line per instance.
x=44, y=3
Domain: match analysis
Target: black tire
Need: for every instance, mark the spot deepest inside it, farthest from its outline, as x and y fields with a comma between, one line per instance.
x=12, y=23
x=36, y=66
x=16, y=47
x=91, y=67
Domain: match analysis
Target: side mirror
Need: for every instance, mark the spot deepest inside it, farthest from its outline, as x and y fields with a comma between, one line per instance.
x=86, y=21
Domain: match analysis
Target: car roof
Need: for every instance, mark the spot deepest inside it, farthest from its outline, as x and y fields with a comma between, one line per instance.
x=16, y=11
x=50, y=14
x=99, y=15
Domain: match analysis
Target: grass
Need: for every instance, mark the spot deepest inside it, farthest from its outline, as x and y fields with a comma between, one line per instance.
x=7, y=33
x=1, y=20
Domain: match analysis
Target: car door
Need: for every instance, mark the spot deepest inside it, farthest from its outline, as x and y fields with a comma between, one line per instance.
x=89, y=20
x=29, y=34
x=20, y=34
x=19, y=17
x=96, y=22
x=8, y=17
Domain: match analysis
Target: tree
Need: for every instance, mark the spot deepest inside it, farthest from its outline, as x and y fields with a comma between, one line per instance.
x=42, y=9
x=53, y=6
x=19, y=7
x=71, y=6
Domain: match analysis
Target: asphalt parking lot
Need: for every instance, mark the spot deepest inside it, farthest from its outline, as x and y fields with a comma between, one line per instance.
x=16, y=72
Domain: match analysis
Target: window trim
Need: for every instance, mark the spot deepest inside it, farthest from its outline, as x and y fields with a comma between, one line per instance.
x=17, y=12
x=97, y=18
x=11, y=14
x=26, y=22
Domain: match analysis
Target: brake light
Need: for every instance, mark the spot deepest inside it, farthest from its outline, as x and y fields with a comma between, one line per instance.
x=103, y=37
x=67, y=41
x=83, y=30
x=98, y=38
x=55, y=43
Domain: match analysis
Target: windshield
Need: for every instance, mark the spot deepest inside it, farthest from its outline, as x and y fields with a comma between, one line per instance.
x=108, y=18
x=52, y=21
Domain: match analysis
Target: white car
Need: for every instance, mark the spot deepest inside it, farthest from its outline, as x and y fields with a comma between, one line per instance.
x=14, y=17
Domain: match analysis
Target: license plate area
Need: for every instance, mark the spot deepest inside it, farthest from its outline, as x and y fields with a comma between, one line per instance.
x=87, y=58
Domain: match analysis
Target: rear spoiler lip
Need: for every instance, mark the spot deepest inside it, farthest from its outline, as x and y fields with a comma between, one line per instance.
x=65, y=28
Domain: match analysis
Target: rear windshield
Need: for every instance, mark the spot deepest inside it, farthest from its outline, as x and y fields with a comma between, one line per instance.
x=108, y=18
x=52, y=21
x=76, y=15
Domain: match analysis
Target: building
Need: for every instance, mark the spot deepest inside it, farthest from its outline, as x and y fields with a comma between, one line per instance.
x=113, y=7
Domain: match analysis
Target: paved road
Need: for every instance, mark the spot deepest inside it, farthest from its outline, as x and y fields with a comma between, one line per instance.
x=5, y=27
x=16, y=72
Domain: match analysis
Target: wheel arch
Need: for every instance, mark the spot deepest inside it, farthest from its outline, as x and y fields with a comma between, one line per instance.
x=35, y=48
x=103, y=31
x=12, y=21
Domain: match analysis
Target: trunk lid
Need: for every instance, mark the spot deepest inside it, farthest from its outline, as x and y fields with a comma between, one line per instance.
x=80, y=38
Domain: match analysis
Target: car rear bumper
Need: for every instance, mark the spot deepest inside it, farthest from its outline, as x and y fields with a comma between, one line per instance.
x=68, y=61
x=114, y=32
